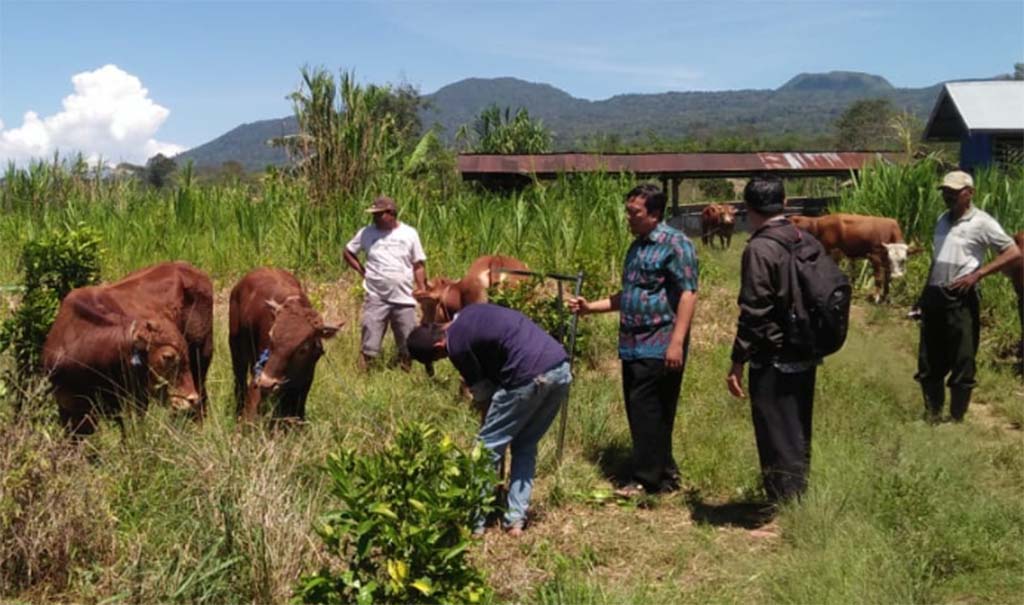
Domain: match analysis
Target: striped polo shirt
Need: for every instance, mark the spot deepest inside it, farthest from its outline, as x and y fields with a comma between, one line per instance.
x=659, y=267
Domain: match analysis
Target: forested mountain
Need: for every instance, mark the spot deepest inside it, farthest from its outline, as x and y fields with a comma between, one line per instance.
x=805, y=106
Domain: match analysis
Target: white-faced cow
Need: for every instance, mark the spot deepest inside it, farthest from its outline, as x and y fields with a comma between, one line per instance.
x=444, y=297
x=276, y=336
x=101, y=353
x=876, y=238
x=718, y=220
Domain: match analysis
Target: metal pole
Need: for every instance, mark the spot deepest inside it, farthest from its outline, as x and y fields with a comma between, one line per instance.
x=572, y=356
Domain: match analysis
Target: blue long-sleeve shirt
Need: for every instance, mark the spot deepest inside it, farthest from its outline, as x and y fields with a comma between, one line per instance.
x=488, y=342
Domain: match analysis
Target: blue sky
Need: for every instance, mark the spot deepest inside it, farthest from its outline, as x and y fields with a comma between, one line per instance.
x=188, y=71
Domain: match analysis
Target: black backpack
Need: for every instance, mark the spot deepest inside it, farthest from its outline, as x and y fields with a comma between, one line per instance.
x=819, y=312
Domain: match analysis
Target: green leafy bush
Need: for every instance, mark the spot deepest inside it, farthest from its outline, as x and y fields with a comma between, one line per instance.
x=404, y=525
x=546, y=311
x=53, y=265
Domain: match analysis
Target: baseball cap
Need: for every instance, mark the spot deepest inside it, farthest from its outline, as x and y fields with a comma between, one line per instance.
x=957, y=180
x=383, y=204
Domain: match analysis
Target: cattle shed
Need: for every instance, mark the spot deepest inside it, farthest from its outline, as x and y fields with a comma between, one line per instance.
x=672, y=168
x=986, y=117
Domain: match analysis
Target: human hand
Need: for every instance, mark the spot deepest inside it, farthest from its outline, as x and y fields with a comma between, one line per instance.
x=578, y=305
x=966, y=282
x=674, y=357
x=735, y=381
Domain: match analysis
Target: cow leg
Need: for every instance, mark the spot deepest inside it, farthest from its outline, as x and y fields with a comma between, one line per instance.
x=76, y=415
x=881, y=282
x=241, y=362
x=252, y=404
x=201, y=356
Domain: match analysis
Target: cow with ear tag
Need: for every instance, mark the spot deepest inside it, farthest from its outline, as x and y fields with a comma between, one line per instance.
x=98, y=355
x=276, y=338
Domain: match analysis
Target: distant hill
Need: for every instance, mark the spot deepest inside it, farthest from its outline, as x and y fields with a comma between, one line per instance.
x=807, y=105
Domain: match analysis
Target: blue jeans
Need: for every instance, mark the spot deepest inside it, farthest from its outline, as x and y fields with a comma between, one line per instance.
x=519, y=417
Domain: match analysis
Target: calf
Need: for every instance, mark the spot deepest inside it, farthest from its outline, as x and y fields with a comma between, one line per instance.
x=443, y=297
x=720, y=220
x=184, y=296
x=98, y=354
x=277, y=335
x=876, y=238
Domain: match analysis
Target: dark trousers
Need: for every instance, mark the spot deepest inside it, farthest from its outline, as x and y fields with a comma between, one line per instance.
x=782, y=406
x=652, y=395
x=950, y=330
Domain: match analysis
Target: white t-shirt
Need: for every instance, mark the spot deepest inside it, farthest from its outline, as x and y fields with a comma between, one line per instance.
x=390, y=256
x=959, y=248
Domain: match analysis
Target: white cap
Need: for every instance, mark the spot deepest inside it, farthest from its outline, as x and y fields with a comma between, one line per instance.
x=957, y=180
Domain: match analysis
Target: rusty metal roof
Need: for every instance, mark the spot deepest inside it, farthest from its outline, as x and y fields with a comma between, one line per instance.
x=793, y=163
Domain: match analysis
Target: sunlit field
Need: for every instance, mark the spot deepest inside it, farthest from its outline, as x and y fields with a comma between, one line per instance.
x=898, y=511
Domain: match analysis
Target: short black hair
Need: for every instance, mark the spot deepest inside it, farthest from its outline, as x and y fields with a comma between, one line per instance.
x=421, y=341
x=653, y=197
x=765, y=195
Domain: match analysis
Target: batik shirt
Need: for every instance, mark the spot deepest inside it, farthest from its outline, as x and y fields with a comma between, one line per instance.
x=659, y=267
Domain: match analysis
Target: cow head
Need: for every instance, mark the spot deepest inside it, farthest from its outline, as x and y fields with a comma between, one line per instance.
x=897, y=255
x=296, y=343
x=433, y=300
x=728, y=214
x=159, y=347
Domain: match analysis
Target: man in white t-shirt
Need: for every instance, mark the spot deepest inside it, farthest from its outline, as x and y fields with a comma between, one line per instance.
x=394, y=266
x=950, y=326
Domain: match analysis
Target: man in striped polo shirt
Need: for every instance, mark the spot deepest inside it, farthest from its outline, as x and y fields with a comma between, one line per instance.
x=656, y=304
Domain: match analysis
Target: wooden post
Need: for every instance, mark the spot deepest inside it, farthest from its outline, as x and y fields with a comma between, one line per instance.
x=675, y=196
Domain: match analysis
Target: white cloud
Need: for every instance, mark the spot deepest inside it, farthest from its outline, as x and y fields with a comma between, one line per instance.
x=109, y=116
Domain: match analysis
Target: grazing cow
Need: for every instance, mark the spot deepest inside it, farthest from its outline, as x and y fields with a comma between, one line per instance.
x=443, y=297
x=100, y=353
x=720, y=220
x=876, y=238
x=276, y=334
x=184, y=295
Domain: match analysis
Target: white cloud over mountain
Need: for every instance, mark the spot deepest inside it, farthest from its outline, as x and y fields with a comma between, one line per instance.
x=108, y=116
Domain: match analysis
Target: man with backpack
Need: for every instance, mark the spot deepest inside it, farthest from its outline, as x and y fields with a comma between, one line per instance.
x=794, y=305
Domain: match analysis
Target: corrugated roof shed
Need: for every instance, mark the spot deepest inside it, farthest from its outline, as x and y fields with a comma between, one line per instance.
x=687, y=165
x=967, y=108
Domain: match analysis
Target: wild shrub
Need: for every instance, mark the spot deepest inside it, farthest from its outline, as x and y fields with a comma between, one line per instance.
x=546, y=311
x=55, y=514
x=52, y=266
x=403, y=526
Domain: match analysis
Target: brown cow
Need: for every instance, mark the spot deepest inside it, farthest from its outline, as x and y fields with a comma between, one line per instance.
x=720, y=220
x=876, y=238
x=99, y=353
x=276, y=334
x=184, y=295
x=443, y=297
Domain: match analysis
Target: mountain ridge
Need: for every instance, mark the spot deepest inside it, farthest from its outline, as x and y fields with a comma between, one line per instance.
x=805, y=105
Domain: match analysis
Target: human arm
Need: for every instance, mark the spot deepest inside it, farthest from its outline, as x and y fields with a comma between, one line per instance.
x=1011, y=254
x=684, y=316
x=582, y=306
x=734, y=380
x=757, y=327
x=419, y=274
x=353, y=261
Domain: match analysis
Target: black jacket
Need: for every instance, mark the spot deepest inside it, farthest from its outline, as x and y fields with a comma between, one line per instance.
x=765, y=297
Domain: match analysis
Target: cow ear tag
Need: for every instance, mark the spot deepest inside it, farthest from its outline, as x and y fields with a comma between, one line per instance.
x=136, y=360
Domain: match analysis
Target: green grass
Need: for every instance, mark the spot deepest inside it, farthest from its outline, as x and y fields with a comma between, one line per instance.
x=898, y=511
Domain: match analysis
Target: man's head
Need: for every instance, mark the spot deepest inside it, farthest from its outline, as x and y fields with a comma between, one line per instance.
x=427, y=344
x=385, y=213
x=645, y=207
x=957, y=190
x=765, y=196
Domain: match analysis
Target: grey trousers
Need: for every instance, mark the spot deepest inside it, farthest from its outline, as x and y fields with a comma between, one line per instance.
x=377, y=315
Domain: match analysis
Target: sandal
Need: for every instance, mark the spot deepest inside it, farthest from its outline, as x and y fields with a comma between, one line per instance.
x=631, y=490
x=515, y=529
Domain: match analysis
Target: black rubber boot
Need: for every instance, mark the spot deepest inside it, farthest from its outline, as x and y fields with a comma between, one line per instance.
x=959, y=399
x=934, y=400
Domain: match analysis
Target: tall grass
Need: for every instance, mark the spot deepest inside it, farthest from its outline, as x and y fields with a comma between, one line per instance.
x=173, y=512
